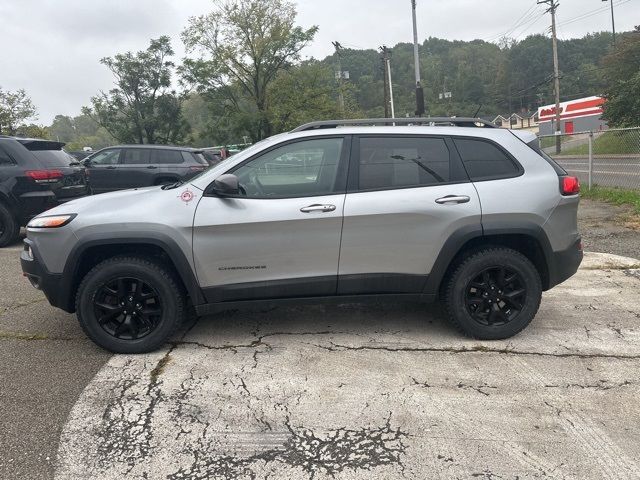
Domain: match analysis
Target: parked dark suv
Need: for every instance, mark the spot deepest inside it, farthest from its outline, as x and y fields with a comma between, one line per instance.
x=130, y=166
x=35, y=175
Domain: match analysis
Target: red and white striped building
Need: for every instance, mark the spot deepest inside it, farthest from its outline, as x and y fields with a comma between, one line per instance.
x=580, y=115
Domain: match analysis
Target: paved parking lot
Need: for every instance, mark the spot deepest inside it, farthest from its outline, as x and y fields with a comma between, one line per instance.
x=349, y=391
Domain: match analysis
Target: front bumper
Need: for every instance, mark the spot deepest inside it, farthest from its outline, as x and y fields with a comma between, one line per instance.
x=564, y=263
x=52, y=284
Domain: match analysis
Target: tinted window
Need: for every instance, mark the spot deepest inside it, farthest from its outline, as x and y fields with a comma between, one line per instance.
x=5, y=159
x=53, y=158
x=106, y=157
x=304, y=168
x=393, y=162
x=166, y=156
x=483, y=160
x=136, y=156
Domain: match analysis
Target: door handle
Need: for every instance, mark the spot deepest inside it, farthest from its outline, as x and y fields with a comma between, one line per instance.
x=316, y=207
x=152, y=166
x=111, y=167
x=452, y=199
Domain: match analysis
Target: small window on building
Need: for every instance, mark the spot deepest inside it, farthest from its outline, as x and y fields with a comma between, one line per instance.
x=484, y=161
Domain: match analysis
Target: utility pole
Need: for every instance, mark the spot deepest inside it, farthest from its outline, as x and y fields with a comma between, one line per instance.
x=553, y=5
x=613, y=22
x=386, y=55
x=384, y=86
x=338, y=47
x=416, y=62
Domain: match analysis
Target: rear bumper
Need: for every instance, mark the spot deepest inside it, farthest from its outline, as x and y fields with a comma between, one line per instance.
x=564, y=263
x=51, y=284
x=34, y=203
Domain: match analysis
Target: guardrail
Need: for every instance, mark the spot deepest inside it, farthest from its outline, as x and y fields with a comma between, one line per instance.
x=607, y=158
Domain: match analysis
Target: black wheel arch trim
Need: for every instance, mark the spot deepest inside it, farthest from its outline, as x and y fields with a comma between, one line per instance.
x=162, y=241
x=459, y=238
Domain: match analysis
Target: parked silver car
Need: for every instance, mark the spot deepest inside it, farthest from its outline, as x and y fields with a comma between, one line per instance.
x=336, y=211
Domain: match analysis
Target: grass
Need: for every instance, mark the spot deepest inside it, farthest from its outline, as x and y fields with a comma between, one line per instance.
x=617, y=196
x=608, y=143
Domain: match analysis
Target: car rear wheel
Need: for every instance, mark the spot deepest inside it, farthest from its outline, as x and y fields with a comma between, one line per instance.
x=130, y=304
x=493, y=294
x=9, y=227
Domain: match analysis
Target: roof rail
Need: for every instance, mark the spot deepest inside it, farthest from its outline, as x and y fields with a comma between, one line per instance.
x=429, y=121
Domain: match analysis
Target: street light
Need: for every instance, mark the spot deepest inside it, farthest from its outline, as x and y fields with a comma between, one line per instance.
x=613, y=22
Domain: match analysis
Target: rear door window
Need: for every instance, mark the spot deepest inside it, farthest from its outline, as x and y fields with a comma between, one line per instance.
x=484, y=160
x=397, y=162
x=136, y=156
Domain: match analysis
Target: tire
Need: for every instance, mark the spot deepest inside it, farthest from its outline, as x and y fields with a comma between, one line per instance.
x=484, y=313
x=9, y=227
x=152, y=298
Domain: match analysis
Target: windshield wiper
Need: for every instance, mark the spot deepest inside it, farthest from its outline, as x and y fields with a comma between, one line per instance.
x=171, y=186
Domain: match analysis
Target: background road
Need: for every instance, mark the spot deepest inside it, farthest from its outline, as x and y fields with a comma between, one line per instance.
x=46, y=363
x=608, y=171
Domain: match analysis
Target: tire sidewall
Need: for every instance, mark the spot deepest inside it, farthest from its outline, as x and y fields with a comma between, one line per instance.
x=169, y=298
x=11, y=227
x=470, y=269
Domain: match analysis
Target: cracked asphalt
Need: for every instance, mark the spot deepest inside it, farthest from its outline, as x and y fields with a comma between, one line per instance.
x=319, y=392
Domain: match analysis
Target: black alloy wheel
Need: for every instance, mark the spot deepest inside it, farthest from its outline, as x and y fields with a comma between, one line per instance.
x=127, y=308
x=493, y=293
x=495, y=296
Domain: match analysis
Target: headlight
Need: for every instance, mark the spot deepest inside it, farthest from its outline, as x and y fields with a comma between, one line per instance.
x=51, y=221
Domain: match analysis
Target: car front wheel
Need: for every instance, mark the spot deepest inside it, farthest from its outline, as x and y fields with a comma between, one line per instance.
x=129, y=304
x=493, y=294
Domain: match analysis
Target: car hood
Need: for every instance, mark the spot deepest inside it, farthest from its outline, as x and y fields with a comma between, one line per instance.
x=112, y=201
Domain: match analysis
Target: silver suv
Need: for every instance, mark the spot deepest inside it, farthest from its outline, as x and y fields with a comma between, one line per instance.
x=343, y=211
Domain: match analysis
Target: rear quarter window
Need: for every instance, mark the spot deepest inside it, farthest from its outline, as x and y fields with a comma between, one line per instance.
x=485, y=161
x=166, y=157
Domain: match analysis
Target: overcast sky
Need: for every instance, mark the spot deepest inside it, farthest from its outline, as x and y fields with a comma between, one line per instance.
x=51, y=48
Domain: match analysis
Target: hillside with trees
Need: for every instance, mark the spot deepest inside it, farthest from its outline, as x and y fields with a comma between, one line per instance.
x=245, y=78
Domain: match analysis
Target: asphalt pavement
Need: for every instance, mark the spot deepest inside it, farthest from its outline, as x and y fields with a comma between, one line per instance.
x=350, y=391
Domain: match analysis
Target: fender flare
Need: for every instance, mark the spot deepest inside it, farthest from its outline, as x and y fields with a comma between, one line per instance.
x=462, y=236
x=160, y=240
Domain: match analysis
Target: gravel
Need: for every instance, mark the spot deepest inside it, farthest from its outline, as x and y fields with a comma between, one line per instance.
x=603, y=229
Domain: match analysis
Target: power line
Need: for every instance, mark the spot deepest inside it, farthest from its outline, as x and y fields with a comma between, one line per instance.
x=523, y=19
x=590, y=13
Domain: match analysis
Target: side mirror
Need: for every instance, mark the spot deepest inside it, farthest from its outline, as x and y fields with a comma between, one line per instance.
x=86, y=162
x=226, y=184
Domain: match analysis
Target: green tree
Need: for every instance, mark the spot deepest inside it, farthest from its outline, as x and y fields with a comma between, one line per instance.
x=142, y=108
x=622, y=72
x=33, y=131
x=243, y=45
x=15, y=108
x=314, y=97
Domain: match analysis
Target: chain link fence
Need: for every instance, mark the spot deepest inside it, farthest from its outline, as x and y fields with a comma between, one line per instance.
x=609, y=158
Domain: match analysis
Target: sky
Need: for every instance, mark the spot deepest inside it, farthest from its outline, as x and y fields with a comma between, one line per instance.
x=52, y=48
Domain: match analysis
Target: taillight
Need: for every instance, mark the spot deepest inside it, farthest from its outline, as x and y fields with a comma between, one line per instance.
x=569, y=185
x=44, y=176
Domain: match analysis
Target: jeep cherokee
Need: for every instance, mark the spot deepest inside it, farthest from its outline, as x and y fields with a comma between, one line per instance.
x=337, y=211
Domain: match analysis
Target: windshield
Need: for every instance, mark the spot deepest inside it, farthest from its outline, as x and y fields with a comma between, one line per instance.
x=228, y=162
